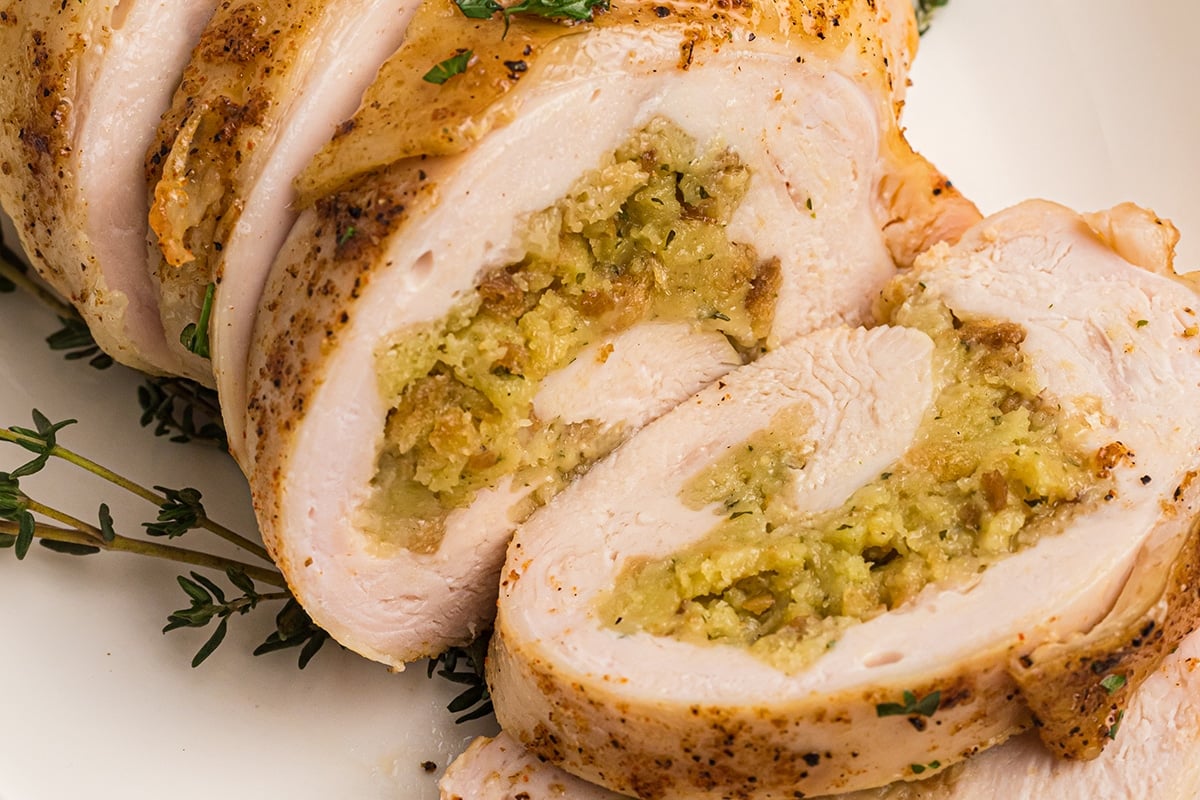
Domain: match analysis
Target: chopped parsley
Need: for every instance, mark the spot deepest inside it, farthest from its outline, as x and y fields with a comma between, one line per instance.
x=1112, y=683
x=445, y=70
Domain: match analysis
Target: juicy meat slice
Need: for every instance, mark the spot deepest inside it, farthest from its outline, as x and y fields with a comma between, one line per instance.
x=1111, y=346
x=1155, y=753
x=401, y=247
x=82, y=87
x=267, y=85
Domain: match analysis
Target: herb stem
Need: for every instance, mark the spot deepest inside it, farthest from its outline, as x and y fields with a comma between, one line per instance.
x=149, y=495
x=79, y=525
x=124, y=544
x=11, y=272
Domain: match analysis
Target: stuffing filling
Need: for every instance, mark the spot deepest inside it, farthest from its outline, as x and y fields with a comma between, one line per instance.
x=640, y=238
x=991, y=465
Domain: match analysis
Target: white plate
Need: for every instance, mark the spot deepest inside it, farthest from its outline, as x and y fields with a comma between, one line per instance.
x=1081, y=101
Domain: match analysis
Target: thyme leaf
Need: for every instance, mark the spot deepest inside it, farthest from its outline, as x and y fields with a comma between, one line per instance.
x=74, y=339
x=1116, y=726
x=294, y=628
x=179, y=513
x=464, y=665
x=194, y=335
x=1112, y=683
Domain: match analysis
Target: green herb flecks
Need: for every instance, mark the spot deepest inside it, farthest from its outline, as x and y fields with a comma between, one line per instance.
x=926, y=706
x=1112, y=683
x=439, y=74
x=194, y=335
x=1116, y=726
x=917, y=769
x=576, y=10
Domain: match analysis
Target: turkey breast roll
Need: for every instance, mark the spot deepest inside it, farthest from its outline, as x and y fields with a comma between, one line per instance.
x=874, y=553
x=448, y=340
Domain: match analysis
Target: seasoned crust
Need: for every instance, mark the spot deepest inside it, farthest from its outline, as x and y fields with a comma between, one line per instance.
x=1077, y=690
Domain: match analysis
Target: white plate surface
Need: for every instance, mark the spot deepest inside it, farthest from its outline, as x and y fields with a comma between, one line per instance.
x=1088, y=102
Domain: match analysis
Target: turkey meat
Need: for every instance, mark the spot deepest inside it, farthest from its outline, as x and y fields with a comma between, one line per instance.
x=82, y=87
x=266, y=87
x=635, y=206
x=1154, y=753
x=874, y=553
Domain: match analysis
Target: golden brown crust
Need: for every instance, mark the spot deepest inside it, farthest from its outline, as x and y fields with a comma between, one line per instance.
x=215, y=124
x=1078, y=690
x=403, y=115
x=210, y=143
x=805, y=747
x=40, y=44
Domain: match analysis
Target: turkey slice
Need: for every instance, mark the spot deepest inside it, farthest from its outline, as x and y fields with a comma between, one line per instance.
x=369, y=271
x=1156, y=753
x=82, y=87
x=1058, y=634
x=267, y=86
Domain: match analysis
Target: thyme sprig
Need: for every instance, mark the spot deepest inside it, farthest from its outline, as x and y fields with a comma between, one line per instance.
x=464, y=665
x=81, y=538
x=181, y=409
x=208, y=603
x=25, y=519
x=42, y=441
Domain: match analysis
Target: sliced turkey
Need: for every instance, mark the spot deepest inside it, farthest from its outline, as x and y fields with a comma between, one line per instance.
x=1155, y=753
x=267, y=86
x=500, y=769
x=389, y=511
x=82, y=87
x=757, y=685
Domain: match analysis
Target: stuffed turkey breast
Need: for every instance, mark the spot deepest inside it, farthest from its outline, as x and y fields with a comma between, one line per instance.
x=873, y=553
x=449, y=340
x=1154, y=753
x=82, y=87
x=266, y=87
